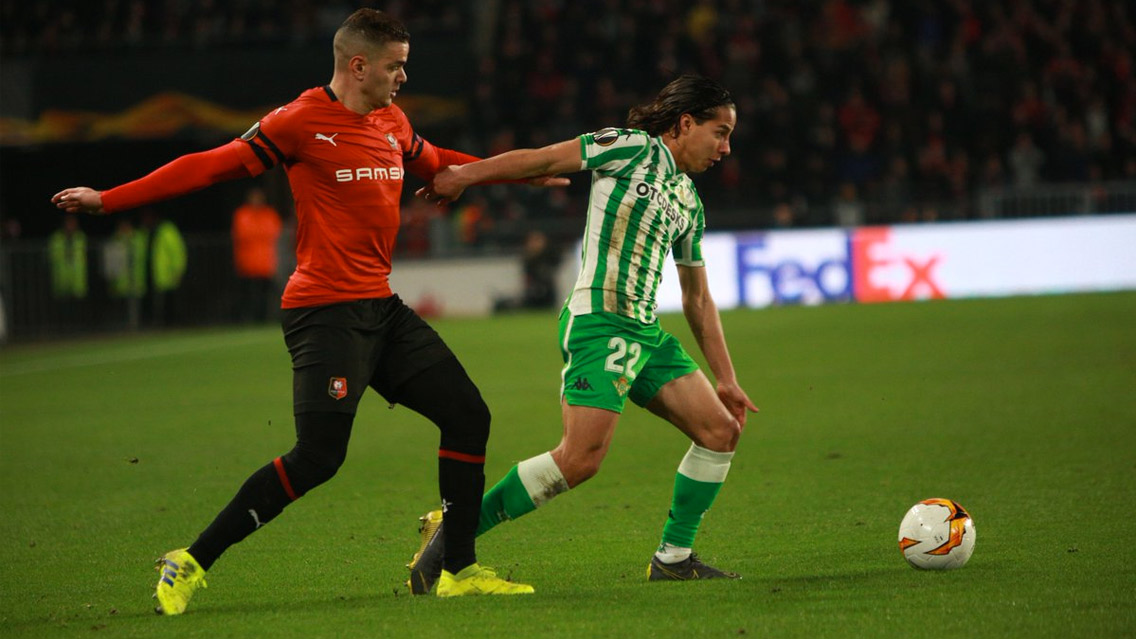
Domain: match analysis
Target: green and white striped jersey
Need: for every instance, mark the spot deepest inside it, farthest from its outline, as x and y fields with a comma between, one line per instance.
x=640, y=208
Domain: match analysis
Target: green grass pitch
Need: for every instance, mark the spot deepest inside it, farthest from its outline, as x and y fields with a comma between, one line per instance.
x=1024, y=410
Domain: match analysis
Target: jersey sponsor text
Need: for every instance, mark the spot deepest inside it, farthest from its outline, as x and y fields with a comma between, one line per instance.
x=369, y=173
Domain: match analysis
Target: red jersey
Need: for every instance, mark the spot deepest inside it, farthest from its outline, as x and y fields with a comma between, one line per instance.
x=346, y=171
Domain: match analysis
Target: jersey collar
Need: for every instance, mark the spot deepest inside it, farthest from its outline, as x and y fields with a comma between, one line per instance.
x=672, y=168
x=330, y=93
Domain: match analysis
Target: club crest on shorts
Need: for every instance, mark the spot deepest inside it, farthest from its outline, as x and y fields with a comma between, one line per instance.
x=622, y=385
x=337, y=388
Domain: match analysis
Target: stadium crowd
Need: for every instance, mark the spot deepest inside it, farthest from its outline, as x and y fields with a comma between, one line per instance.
x=849, y=111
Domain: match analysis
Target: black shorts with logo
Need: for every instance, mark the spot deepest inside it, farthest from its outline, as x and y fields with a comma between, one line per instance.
x=340, y=349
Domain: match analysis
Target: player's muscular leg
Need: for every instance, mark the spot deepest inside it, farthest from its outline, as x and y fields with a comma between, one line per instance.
x=321, y=448
x=691, y=404
x=587, y=435
x=446, y=395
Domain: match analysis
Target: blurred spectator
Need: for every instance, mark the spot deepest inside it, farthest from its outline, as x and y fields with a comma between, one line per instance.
x=256, y=230
x=784, y=216
x=67, y=253
x=414, y=232
x=848, y=210
x=471, y=221
x=164, y=258
x=859, y=121
x=895, y=192
x=124, y=267
x=538, y=264
x=1025, y=161
x=67, y=250
x=838, y=88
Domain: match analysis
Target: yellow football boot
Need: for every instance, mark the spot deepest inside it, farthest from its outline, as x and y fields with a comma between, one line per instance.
x=475, y=580
x=426, y=565
x=181, y=577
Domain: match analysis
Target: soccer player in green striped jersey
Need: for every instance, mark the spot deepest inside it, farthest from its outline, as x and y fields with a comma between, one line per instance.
x=642, y=205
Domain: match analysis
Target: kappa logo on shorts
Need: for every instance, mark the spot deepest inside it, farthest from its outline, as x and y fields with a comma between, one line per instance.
x=581, y=384
x=337, y=388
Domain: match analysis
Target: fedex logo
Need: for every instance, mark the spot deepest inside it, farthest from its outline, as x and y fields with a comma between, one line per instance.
x=885, y=272
x=830, y=265
x=801, y=267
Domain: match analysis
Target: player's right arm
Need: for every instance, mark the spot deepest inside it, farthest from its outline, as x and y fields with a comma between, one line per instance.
x=450, y=182
x=184, y=175
x=269, y=143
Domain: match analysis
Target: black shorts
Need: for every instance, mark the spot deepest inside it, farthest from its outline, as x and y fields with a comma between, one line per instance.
x=340, y=349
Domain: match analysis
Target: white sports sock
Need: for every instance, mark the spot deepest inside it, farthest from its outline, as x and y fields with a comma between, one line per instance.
x=669, y=554
x=542, y=478
x=703, y=464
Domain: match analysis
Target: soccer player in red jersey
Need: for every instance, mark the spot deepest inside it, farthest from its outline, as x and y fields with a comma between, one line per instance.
x=346, y=148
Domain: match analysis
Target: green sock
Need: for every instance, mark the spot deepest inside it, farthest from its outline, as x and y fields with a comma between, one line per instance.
x=507, y=499
x=692, y=498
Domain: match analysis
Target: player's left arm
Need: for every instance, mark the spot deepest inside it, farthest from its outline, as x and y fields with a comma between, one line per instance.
x=702, y=315
x=536, y=166
x=424, y=161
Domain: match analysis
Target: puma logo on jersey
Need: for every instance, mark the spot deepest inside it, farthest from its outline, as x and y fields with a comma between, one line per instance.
x=320, y=136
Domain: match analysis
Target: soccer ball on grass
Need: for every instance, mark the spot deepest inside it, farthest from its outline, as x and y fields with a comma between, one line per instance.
x=936, y=534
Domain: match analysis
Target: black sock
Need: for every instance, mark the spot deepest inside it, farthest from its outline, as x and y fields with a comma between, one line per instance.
x=462, y=484
x=321, y=445
x=259, y=501
x=445, y=395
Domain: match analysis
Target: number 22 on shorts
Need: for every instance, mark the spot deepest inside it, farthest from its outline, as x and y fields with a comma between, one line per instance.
x=623, y=356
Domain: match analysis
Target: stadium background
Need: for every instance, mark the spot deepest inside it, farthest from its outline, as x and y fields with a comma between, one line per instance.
x=850, y=113
x=1020, y=408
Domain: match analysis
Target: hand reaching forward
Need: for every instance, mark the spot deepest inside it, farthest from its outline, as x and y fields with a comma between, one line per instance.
x=736, y=401
x=79, y=199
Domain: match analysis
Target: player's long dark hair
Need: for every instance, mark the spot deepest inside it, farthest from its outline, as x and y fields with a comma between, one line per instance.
x=700, y=97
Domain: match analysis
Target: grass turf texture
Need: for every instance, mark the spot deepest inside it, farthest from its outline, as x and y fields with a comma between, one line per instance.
x=1023, y=410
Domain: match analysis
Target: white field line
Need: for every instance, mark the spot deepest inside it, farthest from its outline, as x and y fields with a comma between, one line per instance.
x=132, y=353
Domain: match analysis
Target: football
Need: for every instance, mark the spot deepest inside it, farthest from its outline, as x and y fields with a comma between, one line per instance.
x=936, y=534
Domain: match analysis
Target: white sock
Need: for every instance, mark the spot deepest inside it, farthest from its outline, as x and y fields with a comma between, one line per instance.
x=703, y=464
x=542, y=478
x=669, y=554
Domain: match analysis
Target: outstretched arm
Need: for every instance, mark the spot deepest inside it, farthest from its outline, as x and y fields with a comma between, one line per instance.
x=562, y=157
x=702, y=316
x=184, y=175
